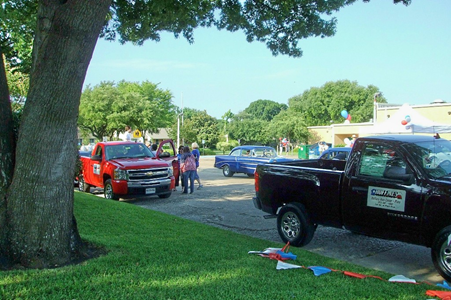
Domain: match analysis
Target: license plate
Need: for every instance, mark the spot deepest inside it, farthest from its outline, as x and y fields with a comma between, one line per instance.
x=150, y=191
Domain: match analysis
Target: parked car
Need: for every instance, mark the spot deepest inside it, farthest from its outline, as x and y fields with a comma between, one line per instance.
x=338, y=153
x=244, y=159
x=314, y=150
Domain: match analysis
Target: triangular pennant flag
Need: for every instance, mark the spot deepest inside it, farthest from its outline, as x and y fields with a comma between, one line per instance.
x=318, y=271
x=265, y=251
x=444, y=285
x=283, y=266
x=440, y=294
x=402, y=278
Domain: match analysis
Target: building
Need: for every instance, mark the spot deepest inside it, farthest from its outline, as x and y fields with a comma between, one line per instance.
x=438, y=112
x=157, y=137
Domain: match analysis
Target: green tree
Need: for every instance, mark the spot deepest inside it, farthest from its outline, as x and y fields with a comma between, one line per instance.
x=250, y=131
x=108, y=107
x=64, y=39
x=18, y=25
x=207, y=129
x=197, y=126
x=264, y=109
x=226, y=118
x=322, y=105
x=289, y=124
x=18, y=83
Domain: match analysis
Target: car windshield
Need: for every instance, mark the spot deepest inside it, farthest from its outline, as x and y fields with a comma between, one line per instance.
x=434, y=157
x=136, y=150
x=265, y=152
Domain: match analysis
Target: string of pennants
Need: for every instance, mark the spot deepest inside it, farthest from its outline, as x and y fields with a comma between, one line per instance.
x=282, y=255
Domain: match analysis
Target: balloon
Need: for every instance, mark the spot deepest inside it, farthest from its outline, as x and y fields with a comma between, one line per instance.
x=407, y=118
x=347, y=122
x=344, y=113
x=349, y=117
x=403, y=122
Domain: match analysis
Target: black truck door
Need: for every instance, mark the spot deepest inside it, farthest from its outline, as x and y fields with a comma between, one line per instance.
x=380, y=194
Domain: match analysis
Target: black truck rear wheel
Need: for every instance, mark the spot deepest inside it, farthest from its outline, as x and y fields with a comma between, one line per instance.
x=441, y=253
x=294, y=225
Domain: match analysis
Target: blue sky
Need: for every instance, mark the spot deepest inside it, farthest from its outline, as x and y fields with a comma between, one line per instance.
x=404, y=51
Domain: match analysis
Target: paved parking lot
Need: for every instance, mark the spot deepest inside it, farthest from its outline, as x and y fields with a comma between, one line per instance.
x=227, y=203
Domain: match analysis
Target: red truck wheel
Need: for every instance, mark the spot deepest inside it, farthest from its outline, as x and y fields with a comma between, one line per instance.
x=167, y=195
x=294, y=225
x=108, y=191
x=82, y=185
x=441, y=253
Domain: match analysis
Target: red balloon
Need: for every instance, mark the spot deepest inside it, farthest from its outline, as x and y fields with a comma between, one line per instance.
x=349, y=117
x=403, y=122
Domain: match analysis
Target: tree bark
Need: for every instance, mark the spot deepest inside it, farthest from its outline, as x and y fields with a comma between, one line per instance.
x=7, y=148
x=40, y=201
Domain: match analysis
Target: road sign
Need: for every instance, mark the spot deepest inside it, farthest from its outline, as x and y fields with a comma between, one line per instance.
x=137, y=134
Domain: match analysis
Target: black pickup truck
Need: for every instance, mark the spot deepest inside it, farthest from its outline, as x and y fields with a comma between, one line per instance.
x=395, y=187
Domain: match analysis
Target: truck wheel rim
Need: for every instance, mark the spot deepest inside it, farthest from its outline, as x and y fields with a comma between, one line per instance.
x=445, y=256
x=108, y=191
x=291, y=225
x=226, y=170
x=80, y=184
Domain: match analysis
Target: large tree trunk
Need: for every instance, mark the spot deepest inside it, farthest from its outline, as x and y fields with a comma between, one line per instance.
x=40, y=200
x=7, y=147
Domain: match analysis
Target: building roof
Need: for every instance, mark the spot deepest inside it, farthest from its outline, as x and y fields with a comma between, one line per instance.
x=162, y=134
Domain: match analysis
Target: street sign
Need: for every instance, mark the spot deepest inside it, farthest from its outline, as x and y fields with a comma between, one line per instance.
x=137, y=134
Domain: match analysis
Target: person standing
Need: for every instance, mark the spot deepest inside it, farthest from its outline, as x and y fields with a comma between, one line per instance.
x=180, y=177
x=128, y=134
x=188, y=166
x=196, y=154
x=154, y=148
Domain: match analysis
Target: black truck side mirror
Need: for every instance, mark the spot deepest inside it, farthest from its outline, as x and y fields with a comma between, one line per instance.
x=96, y=157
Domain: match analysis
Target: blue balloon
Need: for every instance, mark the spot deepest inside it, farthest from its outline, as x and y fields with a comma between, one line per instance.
x=344, y=113
x=407, y=118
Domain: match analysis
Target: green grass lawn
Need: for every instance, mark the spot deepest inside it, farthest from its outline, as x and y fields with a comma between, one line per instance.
x=152, y=255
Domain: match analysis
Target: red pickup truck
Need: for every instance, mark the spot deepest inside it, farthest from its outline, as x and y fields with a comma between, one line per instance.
x=125, y=169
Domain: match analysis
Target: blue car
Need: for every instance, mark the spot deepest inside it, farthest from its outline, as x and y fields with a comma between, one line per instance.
x=338, y=153
x=244, y=159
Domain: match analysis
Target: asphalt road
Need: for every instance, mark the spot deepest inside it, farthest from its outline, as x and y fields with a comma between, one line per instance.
x=227, y=203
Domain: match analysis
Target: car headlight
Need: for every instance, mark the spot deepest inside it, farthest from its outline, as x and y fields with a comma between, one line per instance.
x=120, y=174
x=170, y=172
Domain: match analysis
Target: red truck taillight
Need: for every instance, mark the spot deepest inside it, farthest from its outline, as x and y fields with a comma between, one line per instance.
x=256, y=180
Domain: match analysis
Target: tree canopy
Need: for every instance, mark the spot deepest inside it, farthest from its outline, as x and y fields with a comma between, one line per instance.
x=320, y=106
x=197, y=126
x=108, y=107
x=265, y=109
x=250, y=131
x=18, y=25
x=290, y=124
